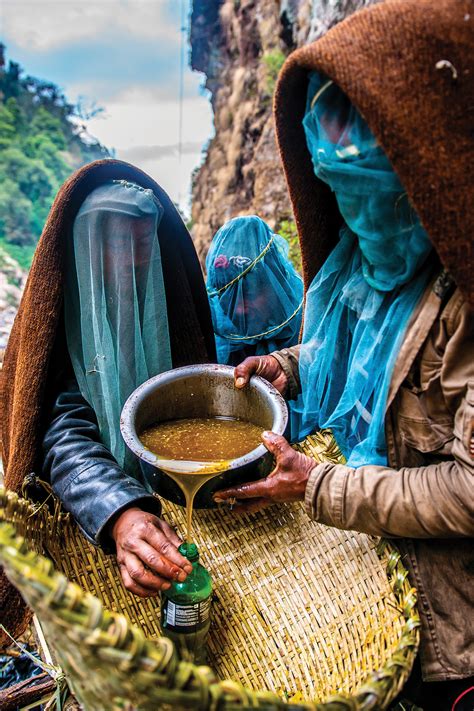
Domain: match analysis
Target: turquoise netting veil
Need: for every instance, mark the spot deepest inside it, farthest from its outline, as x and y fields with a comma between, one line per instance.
x=254, y=291
x=115, y=304
x=360, y=303
x=369, y=194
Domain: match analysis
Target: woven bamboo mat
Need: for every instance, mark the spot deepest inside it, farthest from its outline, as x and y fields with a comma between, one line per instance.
x=300, y=609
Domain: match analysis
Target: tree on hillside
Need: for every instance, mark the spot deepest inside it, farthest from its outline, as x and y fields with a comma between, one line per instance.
x=40, y=145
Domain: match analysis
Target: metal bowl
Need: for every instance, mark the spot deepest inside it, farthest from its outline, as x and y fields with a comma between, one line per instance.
x=201, y=391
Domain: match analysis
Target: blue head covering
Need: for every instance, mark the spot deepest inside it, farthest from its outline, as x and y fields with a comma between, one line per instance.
x=359, y=304
x=115, y=303
x=254, y=291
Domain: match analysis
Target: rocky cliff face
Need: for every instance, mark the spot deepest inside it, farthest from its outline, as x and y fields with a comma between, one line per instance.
x=240, y=45
x=12, y=280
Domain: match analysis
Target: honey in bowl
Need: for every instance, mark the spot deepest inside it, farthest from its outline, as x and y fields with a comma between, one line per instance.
x=216, y=440
x=207, y=439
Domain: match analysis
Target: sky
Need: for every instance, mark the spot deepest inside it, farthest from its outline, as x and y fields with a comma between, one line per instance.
x=123, y=56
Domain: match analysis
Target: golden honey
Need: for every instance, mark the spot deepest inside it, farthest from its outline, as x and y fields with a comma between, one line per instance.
x=216, y=440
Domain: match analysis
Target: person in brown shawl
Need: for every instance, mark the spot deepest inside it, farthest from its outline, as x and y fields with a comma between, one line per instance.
x=375, y=127
x=115, y=295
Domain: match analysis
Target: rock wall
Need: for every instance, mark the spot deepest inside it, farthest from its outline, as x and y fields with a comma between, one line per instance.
x=12, y=281
x=240, y=45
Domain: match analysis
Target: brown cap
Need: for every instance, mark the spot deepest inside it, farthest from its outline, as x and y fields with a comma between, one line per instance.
x=36, y=349
x=408, y=67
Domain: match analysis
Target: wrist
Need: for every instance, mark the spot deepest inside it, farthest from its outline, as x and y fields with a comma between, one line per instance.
x=286, y=374
x=309, y=468
x=276, y=365
x=316, y=494
x=139, y=506
x=118, y=519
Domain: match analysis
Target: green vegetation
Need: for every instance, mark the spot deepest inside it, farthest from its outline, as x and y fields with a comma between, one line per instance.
x=273, y=61
x=40, y=146
x=287, y=230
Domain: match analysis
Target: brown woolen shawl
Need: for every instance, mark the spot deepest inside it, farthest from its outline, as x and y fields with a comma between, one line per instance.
x=36, y=347
x=408, y=67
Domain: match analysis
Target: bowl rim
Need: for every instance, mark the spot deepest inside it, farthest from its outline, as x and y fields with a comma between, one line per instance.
x=132, y=403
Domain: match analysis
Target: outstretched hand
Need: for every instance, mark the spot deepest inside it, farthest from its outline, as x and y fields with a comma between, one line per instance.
x=286, y=482
x=147, y=553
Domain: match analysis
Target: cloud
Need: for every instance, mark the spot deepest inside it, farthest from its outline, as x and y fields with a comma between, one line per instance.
x=98, y=62
x=125, y=56
x=144, y=131
x=138, y=154
x=45, y=25
x=135, y=117
x=156, y=86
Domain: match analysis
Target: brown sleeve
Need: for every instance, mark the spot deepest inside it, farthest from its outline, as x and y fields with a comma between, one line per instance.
x=436, y=500
x=426, y=502
x=288, y=358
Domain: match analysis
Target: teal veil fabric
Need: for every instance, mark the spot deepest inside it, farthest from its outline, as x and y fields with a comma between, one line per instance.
x=359, y=304
x=115, y=304
x=254, y=291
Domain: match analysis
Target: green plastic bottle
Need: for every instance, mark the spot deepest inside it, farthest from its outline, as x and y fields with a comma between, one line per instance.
x=186, y=609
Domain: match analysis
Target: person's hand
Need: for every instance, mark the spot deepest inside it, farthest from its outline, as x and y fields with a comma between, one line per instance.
x=287, y=481
x=266, y=366
x=147, y=553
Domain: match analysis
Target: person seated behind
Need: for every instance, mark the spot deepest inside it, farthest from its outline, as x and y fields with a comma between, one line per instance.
x=387, y=354
x=131, y=286
x=255, y=293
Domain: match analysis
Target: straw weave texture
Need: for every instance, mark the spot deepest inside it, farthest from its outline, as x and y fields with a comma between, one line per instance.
x=300, y=610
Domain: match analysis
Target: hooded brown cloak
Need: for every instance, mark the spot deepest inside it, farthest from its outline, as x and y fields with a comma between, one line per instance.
x=408, y=67
x=36, y=348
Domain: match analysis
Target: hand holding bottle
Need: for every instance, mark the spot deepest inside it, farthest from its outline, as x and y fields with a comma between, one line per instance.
x=147, y=553
x=286, y=482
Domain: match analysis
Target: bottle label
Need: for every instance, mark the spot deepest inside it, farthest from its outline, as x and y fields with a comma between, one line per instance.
x=186, y=618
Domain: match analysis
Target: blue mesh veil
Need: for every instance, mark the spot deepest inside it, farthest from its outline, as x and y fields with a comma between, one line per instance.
x=254, y=291
x=115, y=303
x=359, y=304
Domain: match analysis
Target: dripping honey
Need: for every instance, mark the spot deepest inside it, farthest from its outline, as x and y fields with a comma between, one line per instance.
x=216, y=440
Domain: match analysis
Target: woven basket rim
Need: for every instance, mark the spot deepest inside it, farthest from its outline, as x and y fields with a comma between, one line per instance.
x=381, y=685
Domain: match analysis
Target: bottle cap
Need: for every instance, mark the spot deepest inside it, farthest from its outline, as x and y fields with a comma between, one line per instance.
x=190, y=551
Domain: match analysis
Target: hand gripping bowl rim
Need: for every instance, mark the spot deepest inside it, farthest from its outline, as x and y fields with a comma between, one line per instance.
x=132, y=440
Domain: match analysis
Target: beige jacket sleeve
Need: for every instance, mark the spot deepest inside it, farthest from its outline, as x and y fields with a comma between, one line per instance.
x=436, y=500
x=288, y=359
